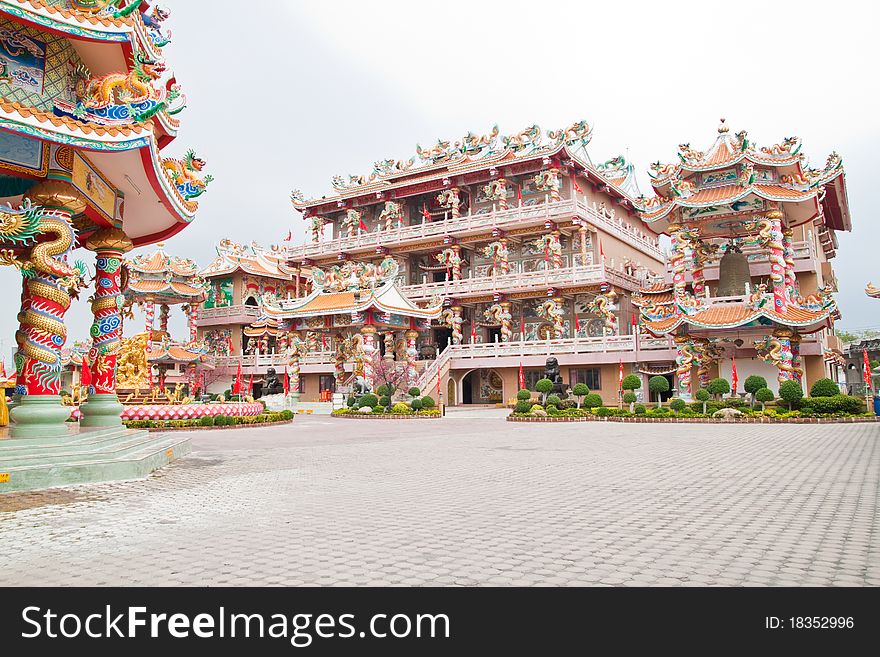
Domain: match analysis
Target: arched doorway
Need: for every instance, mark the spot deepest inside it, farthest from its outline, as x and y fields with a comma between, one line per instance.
x=482, y=386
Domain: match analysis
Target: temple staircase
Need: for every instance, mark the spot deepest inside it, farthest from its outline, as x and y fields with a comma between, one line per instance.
x=427, y=379
x=86, y=456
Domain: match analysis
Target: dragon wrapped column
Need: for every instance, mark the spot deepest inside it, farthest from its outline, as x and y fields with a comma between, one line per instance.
x=106, y=330
x=777, y=260
x=788, y=255
x=797, y=367
x=506, y=317
x=457, y=335
x=677, y=259
x=684, y=362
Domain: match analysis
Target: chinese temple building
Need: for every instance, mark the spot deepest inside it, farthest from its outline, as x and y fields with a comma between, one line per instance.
x=158, y=280
x=88, y=108
x=506, y=250
x=236, y=281
x=749, y=275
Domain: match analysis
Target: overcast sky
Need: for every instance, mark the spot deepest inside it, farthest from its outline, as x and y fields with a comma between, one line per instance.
x=283, y=95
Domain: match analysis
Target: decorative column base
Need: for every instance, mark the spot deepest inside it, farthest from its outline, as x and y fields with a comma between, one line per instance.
x=39, y=416
x=101, y=410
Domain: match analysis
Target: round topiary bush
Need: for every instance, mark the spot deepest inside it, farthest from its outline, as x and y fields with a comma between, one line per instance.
x=603, y=411
x=522, y=406
x=718, y=387
x=523, y=395
x=658, y=385
x=536, y=407
x=764, y=395
x=400, y=408
x=428, y=402
x=791, y=393
x=553, y=400
x=824, y=388
x=544, y=386
x=629, y=398
x=678, y=405
x=416, y=404
x=368, y=400
x=414, y=392
x=352, y=402
x=384, y=390
x=592, y=400
x=385, y=401
x=631, y=382
x=753, y=384
x=702, y=395
x=640, y=409
x=207, y=421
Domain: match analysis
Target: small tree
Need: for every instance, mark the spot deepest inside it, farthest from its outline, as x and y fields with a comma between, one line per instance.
x=631, y=382
x=416, y=404
x=414, y=392
x=580, y=391
x=523, y=395
x=658, y=385
x=391, y=374
x=791, y=393
x=764, y=395
x=702, y=395
x=753, y=384
x=824, y=388
x=718, y=387
x=554, y=400
x=677, y=405
x=630, y=398
x=544, y=386
x=428, y=402
x=593, y=400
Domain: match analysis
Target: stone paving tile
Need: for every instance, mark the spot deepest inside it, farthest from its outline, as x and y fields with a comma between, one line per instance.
x=485, y=503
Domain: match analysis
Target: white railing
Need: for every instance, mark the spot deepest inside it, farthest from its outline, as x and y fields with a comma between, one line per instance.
x=514, y=282
x=520, y=216
x=275, y=360
x=757, y=255
x=228, y=311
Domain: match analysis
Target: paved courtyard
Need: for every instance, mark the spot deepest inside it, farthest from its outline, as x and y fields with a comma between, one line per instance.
x=342, y=502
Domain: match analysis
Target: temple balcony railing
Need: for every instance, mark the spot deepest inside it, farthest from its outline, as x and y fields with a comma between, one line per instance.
x=517, y=217
x=321, y=359
x=533, y=281
x=239, y=314
x=806, y=259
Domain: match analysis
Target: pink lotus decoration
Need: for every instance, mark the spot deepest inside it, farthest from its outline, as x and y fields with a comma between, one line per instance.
x=182, y=411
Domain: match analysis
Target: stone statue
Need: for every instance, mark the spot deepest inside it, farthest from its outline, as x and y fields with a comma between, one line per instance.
x=272, y=384
x=551, y=371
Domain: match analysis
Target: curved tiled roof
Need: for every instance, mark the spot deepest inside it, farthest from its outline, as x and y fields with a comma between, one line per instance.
x=732, y=315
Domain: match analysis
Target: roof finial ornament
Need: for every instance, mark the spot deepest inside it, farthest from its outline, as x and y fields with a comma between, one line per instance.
x=723, y=127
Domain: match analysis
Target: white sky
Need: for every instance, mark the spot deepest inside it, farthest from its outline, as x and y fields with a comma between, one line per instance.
x=283, y=95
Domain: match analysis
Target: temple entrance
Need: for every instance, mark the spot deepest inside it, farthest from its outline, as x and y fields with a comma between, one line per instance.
x=442, y=336
x=251, y=301
x=439, y=276
x=483, y=386
x=450, y=393
x=495, y=334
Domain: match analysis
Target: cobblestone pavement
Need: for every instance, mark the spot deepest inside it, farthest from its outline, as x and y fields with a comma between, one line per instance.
x=486, y=502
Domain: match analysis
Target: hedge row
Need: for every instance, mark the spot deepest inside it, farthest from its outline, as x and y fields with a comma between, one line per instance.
x=211, y=421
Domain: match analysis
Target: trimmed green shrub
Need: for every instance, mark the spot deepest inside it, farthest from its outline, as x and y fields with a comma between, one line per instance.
x=553, y=400
x=678, y=405
x=536, y=407
x=631, y=382
x=658, y=412
x=753, y=384
x=658, y=385
x=385, y=400
x=630, y=398
x=718, y=387
x=523, y=395
x=824, y=388
x=604, y=411
x=286, y=415
x=384, y=390
x=837, y=404
x=416, y=404
x=640, y=409
x=580, y=391
x=428, y=402
x=791, y=393
x=368, y=400
x=552, y=409
x=522, y=406
x=544, y=386
x=592, y=400
x=207, y=421
x=734, y=402
x=414, y=392
x=352, y=401
x=702, y=396
x=400, y=408
x=764, y=395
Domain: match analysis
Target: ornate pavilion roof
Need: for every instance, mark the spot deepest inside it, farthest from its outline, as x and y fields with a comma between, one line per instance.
x=350, y=288
x=175, y=352
x=474, y=152
x=871, y=291
x=735, y=178
x=253, y=259
x=161, y=278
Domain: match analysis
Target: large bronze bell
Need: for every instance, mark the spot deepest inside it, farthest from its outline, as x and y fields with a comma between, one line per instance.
x=733, y=273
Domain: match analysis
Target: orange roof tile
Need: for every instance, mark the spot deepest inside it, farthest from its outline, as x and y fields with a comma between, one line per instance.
x=94, y=19
x=88, y=128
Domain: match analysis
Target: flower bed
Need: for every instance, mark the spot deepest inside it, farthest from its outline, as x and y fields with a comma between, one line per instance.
x=183, y=411
x=213, y=422
x=432, y=414
x=744, y=419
